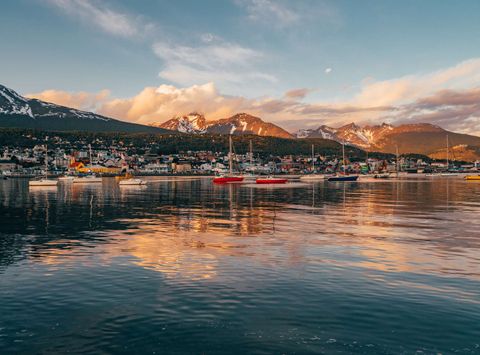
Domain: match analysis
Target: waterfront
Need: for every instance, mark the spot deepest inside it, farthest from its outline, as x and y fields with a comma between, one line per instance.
x=185, y=266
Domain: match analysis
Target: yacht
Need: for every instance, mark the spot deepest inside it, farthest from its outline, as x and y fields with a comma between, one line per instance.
x=44, y=181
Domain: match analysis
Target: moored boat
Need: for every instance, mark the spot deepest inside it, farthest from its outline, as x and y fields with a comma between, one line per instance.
x=132, y=181
x=89, y=179
x=313, y=177
x=472, y=177
x=382, y=176
x=343, y=178
x=225, y=179
x=43, y=182
x=66, y=178
x=271, y=180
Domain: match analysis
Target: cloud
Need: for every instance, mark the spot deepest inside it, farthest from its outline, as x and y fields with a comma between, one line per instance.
x=328, y=70
x=80, y=100
x=297, y=93
x=271, y=11
x=218, y=61
x=449, y=98
x=108, y=20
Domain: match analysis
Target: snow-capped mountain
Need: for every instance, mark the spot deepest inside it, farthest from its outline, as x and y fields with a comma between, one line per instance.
x=21, y=112
x=422, y=138
x=191, y=123
x=240, y=123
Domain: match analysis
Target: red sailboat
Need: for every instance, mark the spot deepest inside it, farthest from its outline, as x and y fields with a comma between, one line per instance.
x=224, y=179
x=271, y=180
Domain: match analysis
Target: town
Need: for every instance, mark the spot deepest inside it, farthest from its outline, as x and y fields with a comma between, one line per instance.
x=115, y=157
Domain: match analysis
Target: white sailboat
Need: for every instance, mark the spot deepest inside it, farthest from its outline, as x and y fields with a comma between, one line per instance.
x=44, y=181
x=447, y=173
x=313, y=176
x=89, y=179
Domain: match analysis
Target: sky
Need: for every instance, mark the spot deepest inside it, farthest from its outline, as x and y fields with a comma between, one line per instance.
x=299, y=63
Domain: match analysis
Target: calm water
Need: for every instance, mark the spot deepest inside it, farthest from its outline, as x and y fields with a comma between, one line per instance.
x=187, y=267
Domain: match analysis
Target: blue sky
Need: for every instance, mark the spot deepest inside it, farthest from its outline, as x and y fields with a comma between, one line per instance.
x=248, y=54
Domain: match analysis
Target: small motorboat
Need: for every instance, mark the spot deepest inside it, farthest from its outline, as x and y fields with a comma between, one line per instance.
x=271, y=180
x=382, y=176
x=472, y=177
x=132, y=181
x=225, y=179
x=43, y=182
x=449, y=174
x=66, y=178
x=313, y=177
x=343, y=178
x=89, y=179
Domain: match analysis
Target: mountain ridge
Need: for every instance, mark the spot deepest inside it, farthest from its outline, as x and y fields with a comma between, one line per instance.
x=17, y=111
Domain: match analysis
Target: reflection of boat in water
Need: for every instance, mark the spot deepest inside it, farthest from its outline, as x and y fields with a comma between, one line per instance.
x=89, y=179
x=45, y=181
x=271, y=180
x=132, y=181
x=224, y=179
x=472, y=177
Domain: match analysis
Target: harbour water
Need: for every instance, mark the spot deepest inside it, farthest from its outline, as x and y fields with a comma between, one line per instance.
x=184, y=266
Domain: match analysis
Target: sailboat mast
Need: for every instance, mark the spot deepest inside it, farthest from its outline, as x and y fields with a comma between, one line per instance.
x=251, y=153
x=230, y=155
x=343, y=156
x=447, y=153
x=313, y=158
x=90, y=153
x=46, y=161
x=396, y=159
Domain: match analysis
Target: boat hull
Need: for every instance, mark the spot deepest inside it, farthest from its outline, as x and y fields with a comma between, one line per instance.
x=87, y=180
x=472, y=177
x=271, y=181
x=227, y=179
x=132, y=182
x=43, y=183
x=343, y=178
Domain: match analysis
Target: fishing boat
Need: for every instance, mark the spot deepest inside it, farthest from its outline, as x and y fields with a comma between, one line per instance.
x=230, y=177
x=44, y=181
x=271, y=180
x=132, y=181
x=344, y=177
x=472, y=177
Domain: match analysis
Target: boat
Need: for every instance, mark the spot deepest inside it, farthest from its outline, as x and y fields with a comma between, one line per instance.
x=472, y=177
x=89, y=179
x=66, y=178
x=382, y=176
x=344, y=177
x=271, y=180
x=449, y=174
x=312, y=176
x=132, y=181
x=230, y=177
x=44, y=181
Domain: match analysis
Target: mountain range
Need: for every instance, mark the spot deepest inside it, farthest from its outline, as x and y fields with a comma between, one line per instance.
x=421, y=138
x=22, y=112
x=241, y=123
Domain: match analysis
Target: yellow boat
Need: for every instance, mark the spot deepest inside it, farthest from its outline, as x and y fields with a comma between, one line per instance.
x=472, y=177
